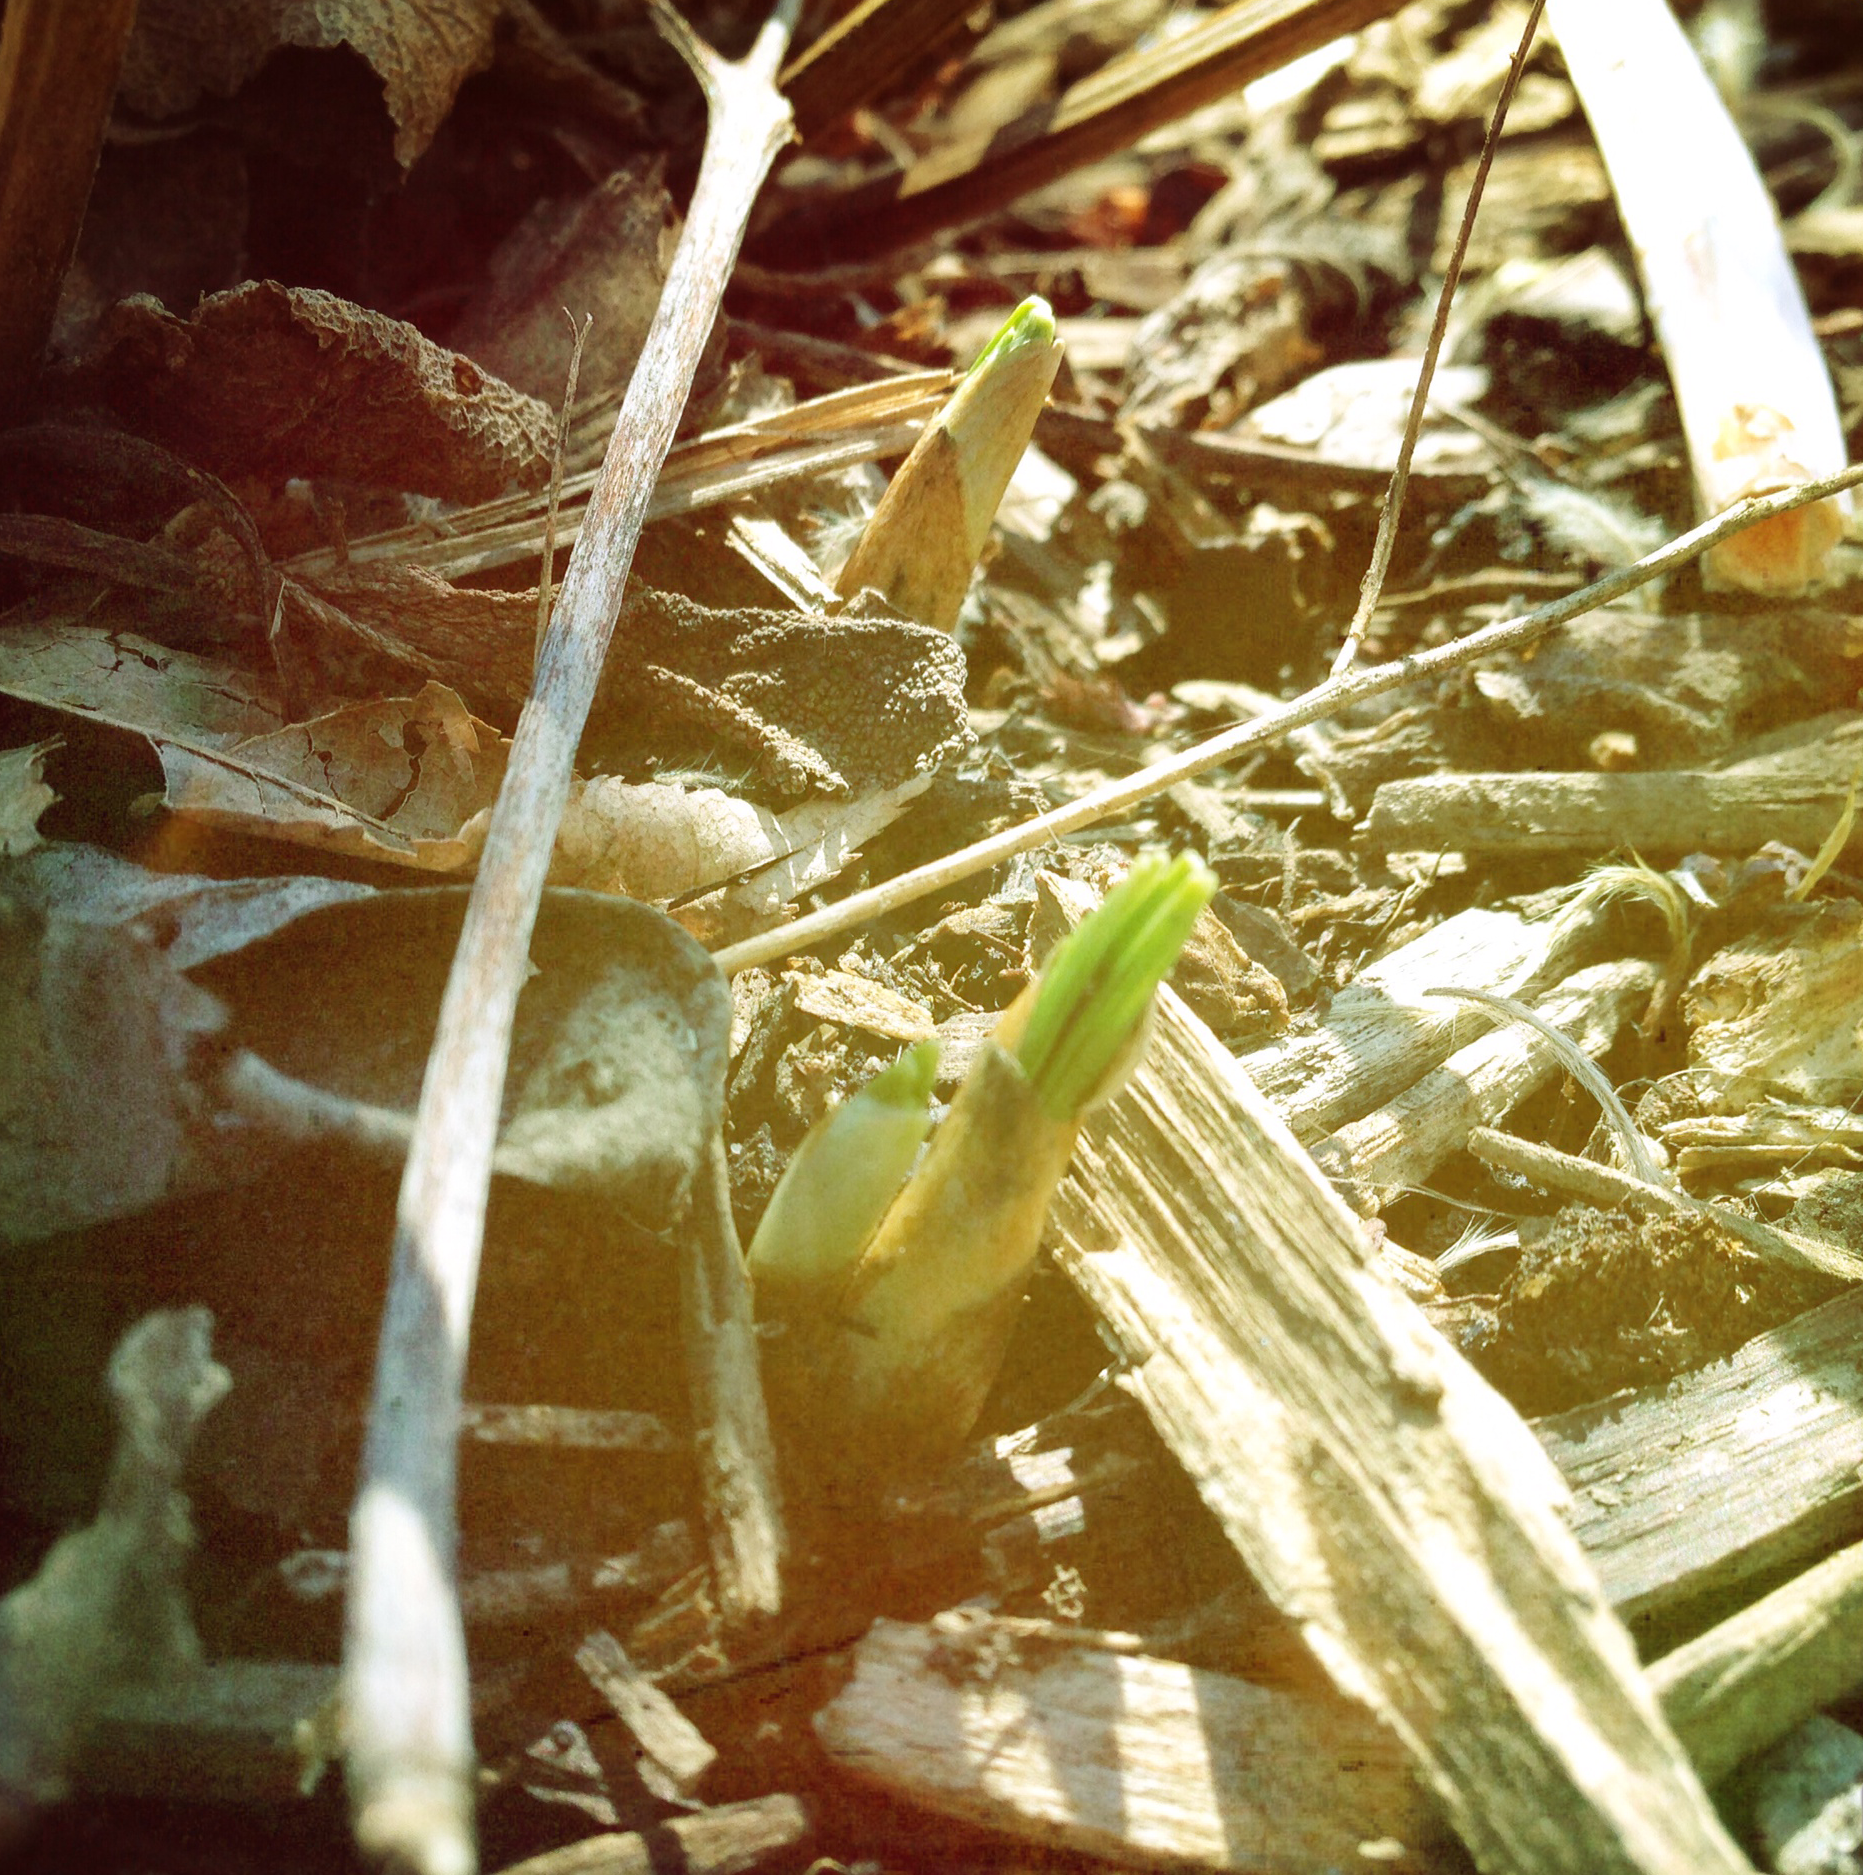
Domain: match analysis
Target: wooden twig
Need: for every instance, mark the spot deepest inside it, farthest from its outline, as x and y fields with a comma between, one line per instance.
x=1384, y=1032
x=1664, y=812
x=1725, y=1475
x=1582, y=1069
x=409, y=1730
x=1400, y=1145
x=59, y=63
x=737, y=1462
x=863, y=51
x=1373, y=586
x=1608, y=1188
x=546, y=573
x=1747, y=1681
x=1316, y=705
x=1384, y=1497
x=726, y=1840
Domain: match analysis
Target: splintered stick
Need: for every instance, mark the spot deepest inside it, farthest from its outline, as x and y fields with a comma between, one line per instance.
x=409, y=1730
x=1751, y=384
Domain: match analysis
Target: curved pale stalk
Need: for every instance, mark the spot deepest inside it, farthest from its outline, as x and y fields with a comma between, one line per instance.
x=838, y=1185
x=407, y=1712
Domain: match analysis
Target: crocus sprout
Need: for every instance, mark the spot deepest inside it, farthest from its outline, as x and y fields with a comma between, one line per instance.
x=1097, y=985
x=839, y=1183
x=885, y=1374
x=932, y=522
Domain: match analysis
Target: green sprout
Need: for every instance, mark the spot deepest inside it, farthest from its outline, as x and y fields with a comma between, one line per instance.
x=840, y=1180
x=894, y=1327
x=1031, y=325
x=1098, y=983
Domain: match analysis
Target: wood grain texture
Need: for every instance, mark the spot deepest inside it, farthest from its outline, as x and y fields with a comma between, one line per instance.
x=1749, y=1680
x=1384, y=1496
x=1383, y=1032
x=1404, y=1141
x=1664, y=813
x=1726, y=1473
x=1036, y=1731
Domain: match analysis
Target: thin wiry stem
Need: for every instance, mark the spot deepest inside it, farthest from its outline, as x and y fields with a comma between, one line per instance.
x=410, y=1762
x=1400, y=476
x=1316, y=705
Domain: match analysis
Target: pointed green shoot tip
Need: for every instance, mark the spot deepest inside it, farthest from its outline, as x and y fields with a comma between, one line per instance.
x=1098, y=981
x=908, y=1082
x=1029, y=327
x=841, y=1179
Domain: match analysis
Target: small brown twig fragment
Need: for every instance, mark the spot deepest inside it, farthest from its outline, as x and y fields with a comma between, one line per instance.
x=1316, y=705
x=725, y=1840
x=405, y=1682
x=1426, y=372
x=59, y=62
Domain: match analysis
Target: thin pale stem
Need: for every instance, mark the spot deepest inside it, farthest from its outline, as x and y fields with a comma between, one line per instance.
x=410, y=1758
x=1316, y=705
x=1382, y=547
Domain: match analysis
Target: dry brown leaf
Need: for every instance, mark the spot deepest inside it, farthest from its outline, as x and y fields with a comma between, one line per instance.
x=422, y=50
x=23, y=797
x=409, y=780
x=602, y=256
x=280, y=381
x=864, y=699
x=116, y=677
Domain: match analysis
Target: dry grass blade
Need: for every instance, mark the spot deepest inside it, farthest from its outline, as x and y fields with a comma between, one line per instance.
x=1316, y=705
x=1373, y=586
x=861, y=53
x=1100, y=116
x=816, y=438
x=548, y=568
x=408, y=1714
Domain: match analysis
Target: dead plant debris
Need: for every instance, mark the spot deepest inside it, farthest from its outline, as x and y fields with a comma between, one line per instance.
x=1408, y=1449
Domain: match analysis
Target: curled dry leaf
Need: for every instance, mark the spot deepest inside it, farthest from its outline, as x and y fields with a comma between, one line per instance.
x=602, y=256
x=422, y=50
x=664, y=842
x=278, y=381
x=400, y=779
x=94, y=1095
